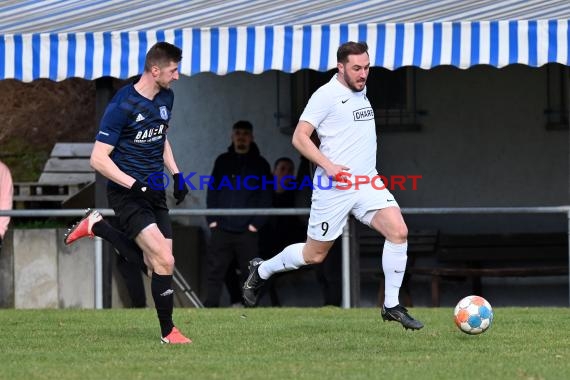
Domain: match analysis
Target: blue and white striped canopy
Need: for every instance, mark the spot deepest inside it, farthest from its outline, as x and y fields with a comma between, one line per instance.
x=59, y=39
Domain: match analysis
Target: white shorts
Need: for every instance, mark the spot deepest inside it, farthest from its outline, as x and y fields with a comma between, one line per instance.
x=330, y=208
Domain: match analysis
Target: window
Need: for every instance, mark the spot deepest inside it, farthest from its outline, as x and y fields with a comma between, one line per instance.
x=556, y=97
x=393, y=97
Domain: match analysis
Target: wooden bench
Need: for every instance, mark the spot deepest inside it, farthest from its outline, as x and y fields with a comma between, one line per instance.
x=471, y=257
x=65, y=174
x=369, y=243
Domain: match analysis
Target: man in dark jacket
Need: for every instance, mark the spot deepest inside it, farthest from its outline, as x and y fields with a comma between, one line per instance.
x=240, y=179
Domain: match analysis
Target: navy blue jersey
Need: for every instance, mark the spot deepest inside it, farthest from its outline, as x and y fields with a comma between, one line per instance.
x=136, y=127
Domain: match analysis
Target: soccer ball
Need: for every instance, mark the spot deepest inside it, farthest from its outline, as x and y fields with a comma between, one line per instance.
x=473, y=315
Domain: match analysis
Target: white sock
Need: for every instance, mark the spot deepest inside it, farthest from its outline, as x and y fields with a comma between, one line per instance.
x=288, y=259
x=394, y=260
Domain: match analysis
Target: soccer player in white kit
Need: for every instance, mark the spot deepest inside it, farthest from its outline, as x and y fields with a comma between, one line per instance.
x=344, y=120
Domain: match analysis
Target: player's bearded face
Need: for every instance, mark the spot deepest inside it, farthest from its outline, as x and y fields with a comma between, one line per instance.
x=167, y=75
x=356, y=71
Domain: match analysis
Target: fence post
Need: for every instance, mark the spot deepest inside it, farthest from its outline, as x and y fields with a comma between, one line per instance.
x=346, y=267
x=98, y=273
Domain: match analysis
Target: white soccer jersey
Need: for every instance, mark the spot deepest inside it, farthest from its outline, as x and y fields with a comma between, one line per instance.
x=344, y=121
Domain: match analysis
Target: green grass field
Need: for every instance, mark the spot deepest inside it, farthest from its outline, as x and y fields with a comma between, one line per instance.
x=281, y=343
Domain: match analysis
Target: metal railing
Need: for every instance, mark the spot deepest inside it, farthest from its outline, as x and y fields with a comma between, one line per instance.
x=295, y=211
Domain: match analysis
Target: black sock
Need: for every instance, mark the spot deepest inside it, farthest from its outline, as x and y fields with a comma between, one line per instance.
x=133, y=281
x=123, y=245
x=163, y=296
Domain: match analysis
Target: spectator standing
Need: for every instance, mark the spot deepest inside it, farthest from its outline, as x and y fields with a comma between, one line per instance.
x=237, y=181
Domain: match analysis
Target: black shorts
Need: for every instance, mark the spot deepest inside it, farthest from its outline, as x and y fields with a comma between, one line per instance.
x=135, y=213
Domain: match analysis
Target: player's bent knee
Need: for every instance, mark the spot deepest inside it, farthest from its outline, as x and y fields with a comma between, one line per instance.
x=164, y=263
x=402, y=234
x=398, y=235
x=169, y=263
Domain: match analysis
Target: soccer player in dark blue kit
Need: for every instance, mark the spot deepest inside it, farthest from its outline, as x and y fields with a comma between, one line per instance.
x=130, y=146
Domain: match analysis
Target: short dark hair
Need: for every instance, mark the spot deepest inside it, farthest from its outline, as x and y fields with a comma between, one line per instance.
x=161, y=54
x=243, y=124
x=283, y=159
x=350, y=48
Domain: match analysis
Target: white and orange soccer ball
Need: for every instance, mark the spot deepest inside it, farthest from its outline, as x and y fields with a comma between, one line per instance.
x=473, y=315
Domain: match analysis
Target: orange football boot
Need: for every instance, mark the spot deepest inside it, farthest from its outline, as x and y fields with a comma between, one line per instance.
x=175, y=337
x=82, y=228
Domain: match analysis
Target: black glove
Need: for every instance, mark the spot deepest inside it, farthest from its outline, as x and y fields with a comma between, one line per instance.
x=146, y=191
x=180, y=188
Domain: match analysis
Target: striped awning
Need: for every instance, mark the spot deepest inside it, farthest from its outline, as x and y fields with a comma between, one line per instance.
x=59, y=39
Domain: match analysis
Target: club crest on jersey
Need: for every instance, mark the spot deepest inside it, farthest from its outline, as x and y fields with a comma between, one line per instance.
x=363, y=114
x=163, y=112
